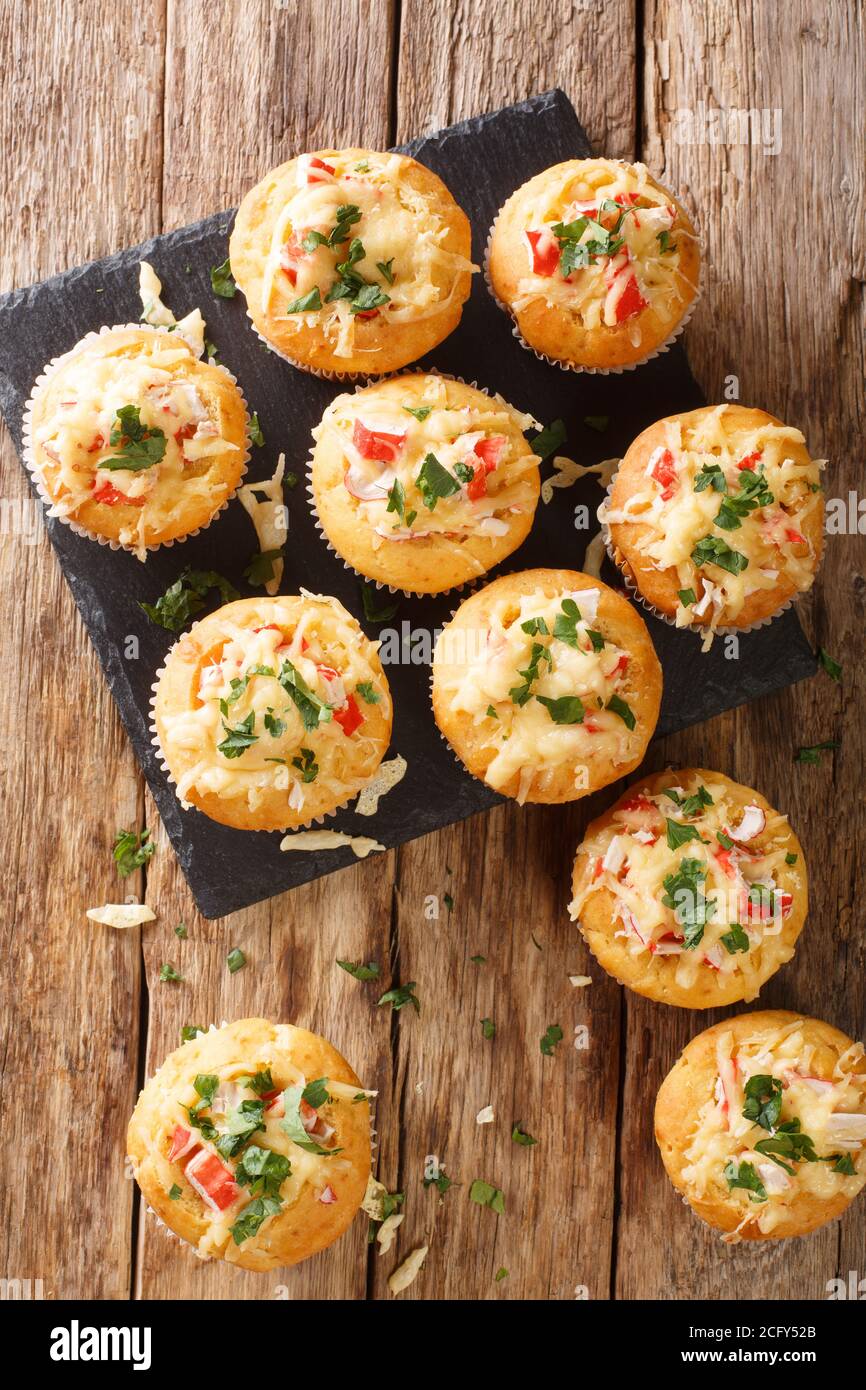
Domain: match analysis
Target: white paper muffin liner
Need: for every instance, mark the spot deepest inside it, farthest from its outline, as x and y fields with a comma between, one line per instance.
x=33, y=469
x=706, y=634
x=466, y=584
x=574, y=366
x=190, y=806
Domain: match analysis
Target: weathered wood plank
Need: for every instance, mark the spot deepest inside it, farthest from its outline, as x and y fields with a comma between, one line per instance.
x=80, y=168
x=285, y=86
x=511, y=868
x=783, y=311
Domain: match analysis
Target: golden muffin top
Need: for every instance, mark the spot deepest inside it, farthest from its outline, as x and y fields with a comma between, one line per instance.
x=603, y=240
x=421, y=465
x=700, y=873
x=352, y=236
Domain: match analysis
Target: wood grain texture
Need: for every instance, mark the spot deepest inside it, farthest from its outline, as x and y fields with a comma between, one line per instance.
x=187, y=114
x=783, y=312
x=289, y=86
x=71, y=989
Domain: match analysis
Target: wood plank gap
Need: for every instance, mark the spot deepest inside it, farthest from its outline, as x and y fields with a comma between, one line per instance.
x=394, y=71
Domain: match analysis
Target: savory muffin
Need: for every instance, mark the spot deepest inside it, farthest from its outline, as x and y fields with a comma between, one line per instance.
x=252, y=1143
x=597, y=263
x=423, y=483
x=546, y=685
x=716, y=516
x=352, y=262
x=762, y=1125
x=135, y=441
x=691, y=889
x=272, y=712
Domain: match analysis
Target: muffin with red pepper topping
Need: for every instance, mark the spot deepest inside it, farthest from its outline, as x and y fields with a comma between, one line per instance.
x=352, y=262
x=135, y=441
x=423, y=483
x=597, y=263
x=252, y=1143
x=272, y=712
x=761, y=1124
x=716, y=516
x=691, y=889
x=546, y=685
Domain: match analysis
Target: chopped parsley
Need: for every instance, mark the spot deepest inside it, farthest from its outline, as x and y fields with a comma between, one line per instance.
x=368, y=692
x=478, y=960
x=712, y=476
x=552, y=1036
x=293, y=1123
x=372, y=612
x=308, y=303
x=370, y=971
x=169, y=975
x=565, y=625
x=238, y=738
x=519, y=694
x=712, y=550
x=222, y=282
x=433, y=481
x=790, y=858
x=263, y=1171
x=486, y=1195
x=734, y=939
x=753, y=494
x=567, y=709
x=260, y=569
x=174, y=1192
x=132, y=849
x=307, y=765
x=501, y=1273
x=843, y=1163
x=618, y=706
x=256, y=436
x=235, y=960
x=138, y=446
x=419, y=411
x=488, y=1028
x=273, y=724
x=686, y=597
x=813, y=753
x=833, y=669
x=181, y=931
x=190, y=1031
x=519, y=1136
x=313, y=710
x=252, y=1216
x=789, y=1143
x=763, y=1101
x=534, y=627
x=386, y=270
x=549, y=440
x=399, y=997
x=599, y=423
x=744, y=1175
x=685, y=896
x=186, y=597
x=576, y=254
x=679, y=834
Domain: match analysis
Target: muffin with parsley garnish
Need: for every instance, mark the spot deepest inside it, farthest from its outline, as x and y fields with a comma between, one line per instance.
x=716, y=517
x=422, y=483
x=272, y=712
x=546, y=685
x=353, y=263
x=761, y=1125
x=133, y=440
x=597, y=264
x=252, y=1143
x=691, y=889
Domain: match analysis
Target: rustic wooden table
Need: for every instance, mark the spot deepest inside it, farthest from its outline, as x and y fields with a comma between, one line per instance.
x=125, y=119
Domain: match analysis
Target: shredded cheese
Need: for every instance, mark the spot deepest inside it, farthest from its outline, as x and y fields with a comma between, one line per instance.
x=390, y=773
x=121, y=915
x=265, y=505
x=309, y=840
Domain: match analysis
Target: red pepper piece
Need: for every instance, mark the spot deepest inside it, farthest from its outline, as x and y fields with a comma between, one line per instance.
x=349, y=717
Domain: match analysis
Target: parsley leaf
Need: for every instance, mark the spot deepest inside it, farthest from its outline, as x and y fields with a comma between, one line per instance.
x=307, y=303
x=372, y=613
x=553, y=1035
x=252, y=1217
x=138, y=446
x=239, y=738
x=763, y=1101
x=185, y=597
x=684, y=895
x=399, y=996
x=260, y=569
x=566, y=709
x=419, y=411
x=235, y=960
x=293, y=1124
x=263, y=1171
x=788, y=1142
x=734, y=939
x=313, y=710
x=488, y=1028
x=370, y=971
x=256, y=436
x=222, y=282
x=744, y=1175
x=486, y=1195
x=549, y=440
x=565, y=626
x=307, y=765
x=368, y=693
x=520, y=1136
x=433, y=481
x=132, y=849
x=625, y=712
x=813, y=754
x=752, y=495
x=169, y=975
x=833, y=669
x=712, y=550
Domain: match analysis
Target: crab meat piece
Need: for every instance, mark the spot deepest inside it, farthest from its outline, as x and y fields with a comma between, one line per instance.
x=615, y=855
x=587, y=602
x=644, y=837
x=846, y=1130
x=336, y=690
x=730, y=1090
x=183, y=1141
x=709, y=598
x=667, y=945
x=327, y=1196
x=815, y=1083
x=752, y=822
x=543, y=251
x=713, y=958
x=213, y=1180
x=624, y=298
x=662, y=469
x=774, y=1178
x=374, y=442
x=365, y=488
x=311, y=169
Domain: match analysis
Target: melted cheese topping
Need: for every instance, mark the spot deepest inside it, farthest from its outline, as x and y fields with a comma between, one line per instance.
x=659, y=912
x=311, y=840
x=831, y=1110
x=265, y=505
x=307, y=1169
x=399, y=228
x=153, y=372
x=496, y=662
x=680, y=515
x=475, y=444
x=241, y=689
x=644, y=268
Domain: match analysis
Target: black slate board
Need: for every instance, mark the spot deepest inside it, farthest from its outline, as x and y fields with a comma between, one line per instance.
x=482, y=161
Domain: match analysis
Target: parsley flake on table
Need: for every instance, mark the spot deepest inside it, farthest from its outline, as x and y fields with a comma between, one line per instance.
x=372, y=612
x=833, y=669
x=488, y=1028
x=222, y=282
x=186, y=597
x=168, y=974
x=553, y=1035
x=256, y=436
x=399, y=996
x=235, y=960
x=549, y=440
x=813, y=753
x=132, y=849
x=370, y=971
x=519, y=1136
x=486, y=1195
